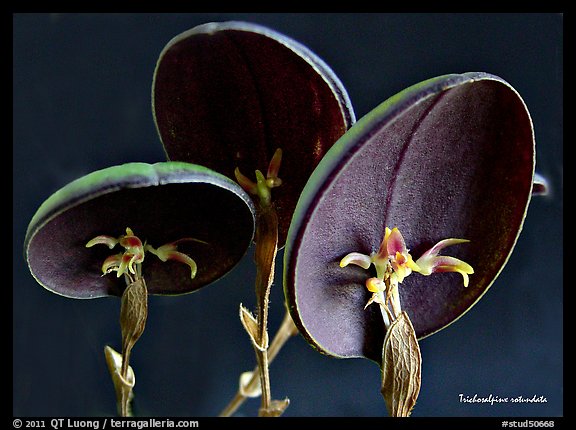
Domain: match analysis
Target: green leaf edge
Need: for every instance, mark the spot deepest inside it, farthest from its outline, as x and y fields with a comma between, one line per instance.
x=141, y=175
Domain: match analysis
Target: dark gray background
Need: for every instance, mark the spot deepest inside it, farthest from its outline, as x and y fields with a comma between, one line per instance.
x=81, y=99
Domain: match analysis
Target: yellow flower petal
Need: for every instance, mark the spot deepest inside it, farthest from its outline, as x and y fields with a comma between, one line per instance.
x=412, y=264
x=109, y=241
x=375, y=285
x=111, y=263
x=358, y=259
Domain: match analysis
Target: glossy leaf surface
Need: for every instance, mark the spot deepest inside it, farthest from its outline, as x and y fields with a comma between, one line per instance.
x=161, y=203
x=449, y=157
x=227, y=95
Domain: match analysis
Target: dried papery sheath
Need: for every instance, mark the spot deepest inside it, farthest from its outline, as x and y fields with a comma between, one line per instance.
x=259, y=340
x=276, y=409
x=122, y=386
x=133, y=315
x=244, y=385
x=401, y=367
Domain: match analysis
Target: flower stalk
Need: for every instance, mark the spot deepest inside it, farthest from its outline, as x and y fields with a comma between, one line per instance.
x=134, y=303
x=266, y=240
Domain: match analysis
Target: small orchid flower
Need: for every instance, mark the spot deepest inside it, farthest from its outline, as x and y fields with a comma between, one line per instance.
x=394, y=263
x=121, y=263
x=392, y=252
x=394, y=249
x=263, y=185
x=129, y=261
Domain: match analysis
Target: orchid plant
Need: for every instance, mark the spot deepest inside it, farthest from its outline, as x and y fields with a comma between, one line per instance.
x=336, y=194
x=68, y=238
x=279, y=104
x=406, y=165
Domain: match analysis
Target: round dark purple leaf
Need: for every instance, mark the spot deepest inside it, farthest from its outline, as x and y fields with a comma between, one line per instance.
x=451, y=157
x=227, y=95
x=161, y=203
